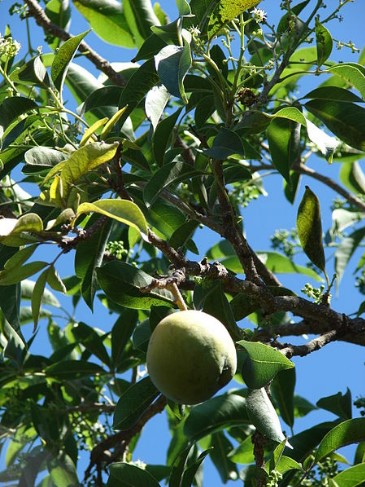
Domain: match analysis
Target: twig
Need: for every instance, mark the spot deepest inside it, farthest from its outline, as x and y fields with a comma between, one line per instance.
x=101, y=453
x=36, y=11
x=315, y=344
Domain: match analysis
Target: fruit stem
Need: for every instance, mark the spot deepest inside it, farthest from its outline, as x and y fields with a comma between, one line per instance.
x=179, y=300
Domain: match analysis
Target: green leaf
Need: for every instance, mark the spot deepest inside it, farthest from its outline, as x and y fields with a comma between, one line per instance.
x=128, y=475
x=345, y=433
x=10, y=304
x=156, y=101
x=282, y=390
x=343, y=119
x=91, y=340
x=309, y=226
x=73, y=369
x=262, y=414
x=280, y=135
x=122, y=283
x=352, y=177
x=17, y=232
x=48, y=297
x=13, y=107
x=55, y=281
x=163, y=135
x=352, y=73
x=121, y=334
x=139, y=84
x=43, y=157
x=345, y=250
x=123, y=211
x=63, y=471
x=18, y=274
x=140, y=17
x=63, y=58
x=37, y=295
x=168, y=174
x=133, y=403
x=339, y=404
x=324, y=43
x=81, y=162
x=185, y=467
x=21, y=256
x=225, y=144
x=215, y=414
x=333, y=93
x=221, y=448
x=172, y=65
x=262, y=363
x=107, y=20
x=351, y=477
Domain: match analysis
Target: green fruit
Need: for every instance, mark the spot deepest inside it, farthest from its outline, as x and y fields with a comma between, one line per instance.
x=190, y=356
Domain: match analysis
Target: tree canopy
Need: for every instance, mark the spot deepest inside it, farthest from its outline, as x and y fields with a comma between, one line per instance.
x=110, y=174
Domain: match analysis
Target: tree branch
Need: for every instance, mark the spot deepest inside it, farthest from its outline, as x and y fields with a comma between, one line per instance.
x=302, y=169
x=36, y=11
x=101, y=455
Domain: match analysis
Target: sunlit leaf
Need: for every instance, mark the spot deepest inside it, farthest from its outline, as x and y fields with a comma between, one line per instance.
x=123, y=211
x=262, y=363
x=309, y=226
x=263, y=415
x=227, y=10
x=127, y=475
x=324, y=43
x=345, y=433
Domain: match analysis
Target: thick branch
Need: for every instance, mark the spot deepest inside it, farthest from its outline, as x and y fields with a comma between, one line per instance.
x=99, y=62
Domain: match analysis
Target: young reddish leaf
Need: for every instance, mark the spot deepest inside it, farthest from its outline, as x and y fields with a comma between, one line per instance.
x=309, y=226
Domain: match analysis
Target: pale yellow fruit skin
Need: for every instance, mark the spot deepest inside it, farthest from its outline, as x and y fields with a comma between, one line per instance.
x=190, y=356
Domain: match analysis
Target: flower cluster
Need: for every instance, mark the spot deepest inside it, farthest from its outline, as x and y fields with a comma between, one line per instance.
x=9, y=48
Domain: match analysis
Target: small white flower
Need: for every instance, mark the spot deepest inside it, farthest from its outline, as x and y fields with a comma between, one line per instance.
x=259, y=14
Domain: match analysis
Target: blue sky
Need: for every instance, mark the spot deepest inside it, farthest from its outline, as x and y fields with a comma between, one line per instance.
x=338, y=365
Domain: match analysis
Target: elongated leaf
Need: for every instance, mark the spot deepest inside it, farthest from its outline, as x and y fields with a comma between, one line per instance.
x=122, y=283
x=352, y=73
x=184, y=469
x=155, y=103
x=11, y=108
x=163, y=135
x=167, y=175
x=37, y=295
x=20, y=257
x=18, y=274
x=262, y=363
x=121, y=334
x=343, y=119
x=216, y=414
x=91, y=340
x=324, y=43
x=309, y=226
x=123, y=211
x=281, y=145
x=339, y=404
x=71, y=369
x=134, y=402
x=352, y=177
x=345, y=250
x=345, y=433
x=139, y=84
x=140, y=17
x=107, y=20
x=17, y=232
x=63, y=58
x=172, y=65
x=333, y=93
x=351, y=476
x=82, y=161
x=263, y=415
x=128, y=475
x=225, y=144
x=219, y=455
x=63, y=471
x=282, y=390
